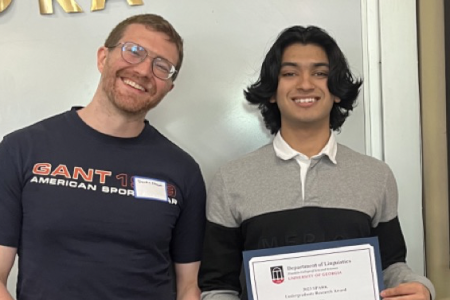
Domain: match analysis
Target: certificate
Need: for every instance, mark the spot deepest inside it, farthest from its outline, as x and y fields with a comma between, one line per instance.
x=339, y=270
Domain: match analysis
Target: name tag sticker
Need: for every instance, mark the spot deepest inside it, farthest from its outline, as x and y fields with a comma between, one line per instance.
x=148, y=188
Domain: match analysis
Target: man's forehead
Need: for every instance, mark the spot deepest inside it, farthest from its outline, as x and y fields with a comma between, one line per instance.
x=305, y=54
x=152, y=40
x=137, y=29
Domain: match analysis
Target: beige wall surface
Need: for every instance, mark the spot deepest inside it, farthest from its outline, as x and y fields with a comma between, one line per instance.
x=435, y=174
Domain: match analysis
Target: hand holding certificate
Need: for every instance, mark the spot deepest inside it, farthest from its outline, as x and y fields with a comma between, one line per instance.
x=348, y=269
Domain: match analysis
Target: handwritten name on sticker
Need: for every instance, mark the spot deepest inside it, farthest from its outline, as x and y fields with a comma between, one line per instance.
x=149, y=188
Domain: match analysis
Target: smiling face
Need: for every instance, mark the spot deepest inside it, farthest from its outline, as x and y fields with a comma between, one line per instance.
x=134, y=89
x=302, y=95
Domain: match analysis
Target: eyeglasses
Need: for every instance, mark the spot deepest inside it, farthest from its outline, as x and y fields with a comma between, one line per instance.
x=135, y=54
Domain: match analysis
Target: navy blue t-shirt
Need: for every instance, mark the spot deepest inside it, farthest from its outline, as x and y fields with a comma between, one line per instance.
x=95, y=216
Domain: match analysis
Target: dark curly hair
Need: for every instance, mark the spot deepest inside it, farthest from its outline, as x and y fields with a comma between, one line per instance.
x=341, y=82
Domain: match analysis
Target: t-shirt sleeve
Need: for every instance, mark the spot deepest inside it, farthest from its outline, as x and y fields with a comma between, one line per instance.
x=189, y=231
x=11, y=181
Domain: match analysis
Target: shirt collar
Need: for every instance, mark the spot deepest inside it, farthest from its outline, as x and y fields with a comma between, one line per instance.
x=285, y=152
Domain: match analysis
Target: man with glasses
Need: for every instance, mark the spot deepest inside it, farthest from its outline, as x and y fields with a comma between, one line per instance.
x=95, y=201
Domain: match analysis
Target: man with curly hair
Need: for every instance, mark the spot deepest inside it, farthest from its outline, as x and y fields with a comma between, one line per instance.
x=303, y=187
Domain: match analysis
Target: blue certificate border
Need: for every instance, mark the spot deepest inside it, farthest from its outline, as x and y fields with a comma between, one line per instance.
x=373, y=241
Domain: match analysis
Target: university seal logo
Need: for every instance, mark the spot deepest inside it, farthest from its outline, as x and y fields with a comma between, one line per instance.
x=277, y=274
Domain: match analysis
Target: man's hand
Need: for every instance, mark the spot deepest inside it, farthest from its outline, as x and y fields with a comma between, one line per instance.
x=407, y=291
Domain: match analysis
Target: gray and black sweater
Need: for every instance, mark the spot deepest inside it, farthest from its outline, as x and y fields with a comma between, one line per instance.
x=256, y=202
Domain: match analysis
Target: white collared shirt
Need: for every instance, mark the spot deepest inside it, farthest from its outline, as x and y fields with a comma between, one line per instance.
x=285, y=152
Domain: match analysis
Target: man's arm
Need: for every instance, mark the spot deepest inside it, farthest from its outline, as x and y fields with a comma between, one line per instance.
x=187, y=239
x=11, y=184
x=187, y=286
x=221, y=263
x=222, y=247
x=7, y=257
x=409, y=290
x=400, y=281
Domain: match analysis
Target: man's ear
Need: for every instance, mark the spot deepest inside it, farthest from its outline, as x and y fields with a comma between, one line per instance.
x=337, y=99
x=273, y=100
x=102, y=53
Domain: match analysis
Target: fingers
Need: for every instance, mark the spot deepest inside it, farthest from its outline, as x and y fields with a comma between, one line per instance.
x=406, y=291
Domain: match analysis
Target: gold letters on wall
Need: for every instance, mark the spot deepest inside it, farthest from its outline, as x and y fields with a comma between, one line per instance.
x=69, y=6
x=4, y=4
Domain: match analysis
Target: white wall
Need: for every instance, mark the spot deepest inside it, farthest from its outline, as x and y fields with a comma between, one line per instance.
x=48, y=63
x=393, y=131
x=401, y=117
